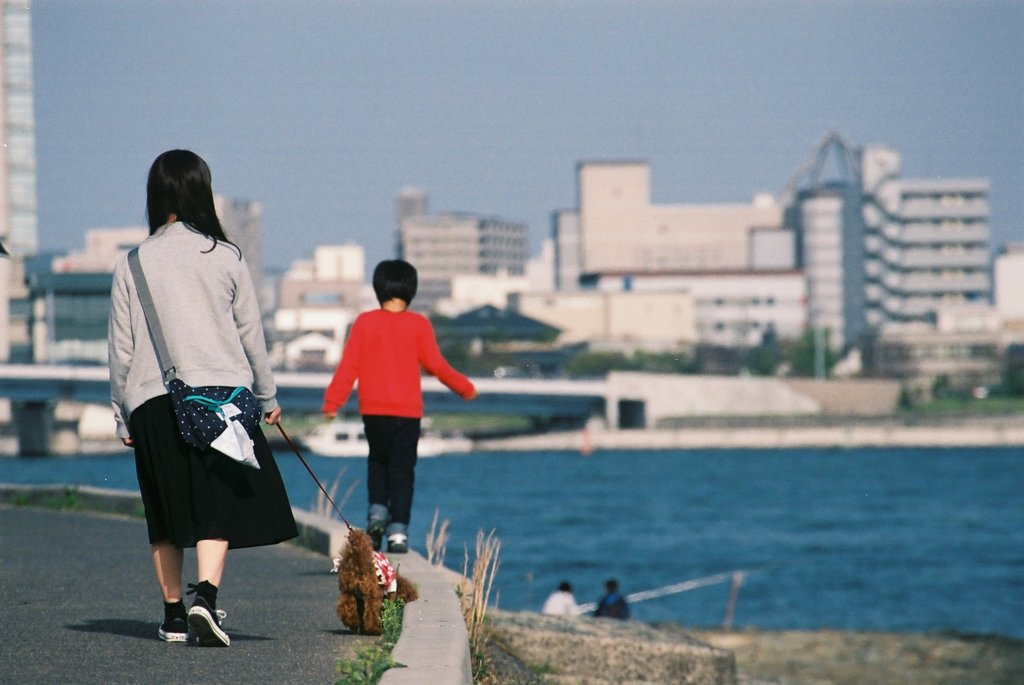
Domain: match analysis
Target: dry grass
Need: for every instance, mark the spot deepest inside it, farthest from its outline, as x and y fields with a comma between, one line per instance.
x=437, y=541
x=475, y=589
x=323, y=507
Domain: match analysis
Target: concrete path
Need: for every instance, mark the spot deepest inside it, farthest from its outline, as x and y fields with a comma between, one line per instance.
x=79, y=604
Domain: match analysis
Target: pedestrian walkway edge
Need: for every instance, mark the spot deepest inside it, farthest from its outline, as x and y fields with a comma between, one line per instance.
x=434, y=645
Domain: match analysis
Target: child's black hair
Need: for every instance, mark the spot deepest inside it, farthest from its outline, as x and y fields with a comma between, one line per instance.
x=395, y=278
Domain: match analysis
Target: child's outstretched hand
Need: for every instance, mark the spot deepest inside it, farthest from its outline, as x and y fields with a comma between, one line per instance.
x=475, y=394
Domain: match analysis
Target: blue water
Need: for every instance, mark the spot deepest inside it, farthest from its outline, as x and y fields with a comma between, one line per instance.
x=903, y=540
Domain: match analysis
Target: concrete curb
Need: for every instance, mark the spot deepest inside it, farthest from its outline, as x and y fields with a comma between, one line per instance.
x=434, y=645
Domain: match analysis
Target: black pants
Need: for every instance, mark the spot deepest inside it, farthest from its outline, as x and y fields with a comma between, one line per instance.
x=391, y=469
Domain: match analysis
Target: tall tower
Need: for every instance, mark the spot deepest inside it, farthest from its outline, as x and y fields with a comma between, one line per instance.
x=242, y=221
x=824, y=207
x=17, y=153
x=409, y=202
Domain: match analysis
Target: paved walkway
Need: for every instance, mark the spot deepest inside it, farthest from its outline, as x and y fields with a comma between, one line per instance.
x=79, y=604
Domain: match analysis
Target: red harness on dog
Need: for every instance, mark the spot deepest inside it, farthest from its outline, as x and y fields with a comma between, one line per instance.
x=387, y=576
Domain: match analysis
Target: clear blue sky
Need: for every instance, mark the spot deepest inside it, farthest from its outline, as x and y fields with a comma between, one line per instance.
x=323, y=110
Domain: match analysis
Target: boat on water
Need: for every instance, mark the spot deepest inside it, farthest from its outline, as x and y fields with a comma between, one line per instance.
x=342, y=438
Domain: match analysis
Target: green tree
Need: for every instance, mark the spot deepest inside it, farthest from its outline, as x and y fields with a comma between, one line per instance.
x=762, y=360
x=598, y=364
x=801, y=354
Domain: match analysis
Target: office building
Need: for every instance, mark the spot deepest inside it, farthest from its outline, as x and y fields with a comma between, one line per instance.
x=880, y=249
x=565, y=236
x=17, y=128
x=442, y=246
x=738, y=309
x=926, y=241
x=242, y=221
x=69, y=313
x=18, y=231
x=409, y=202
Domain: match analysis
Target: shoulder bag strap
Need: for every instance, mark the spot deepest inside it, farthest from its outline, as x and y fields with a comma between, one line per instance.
x=156, y=333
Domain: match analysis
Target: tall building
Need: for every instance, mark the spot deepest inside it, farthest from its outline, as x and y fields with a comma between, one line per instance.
x=565, y=236
x=824, y=207
x=17, y=159
x=444, y=245
x=17, y=123
x=880, y=249
x=409, y=202
x=242, y=221
x=926, y=241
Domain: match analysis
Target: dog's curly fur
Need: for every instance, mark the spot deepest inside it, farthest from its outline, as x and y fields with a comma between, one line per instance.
x=360, y=594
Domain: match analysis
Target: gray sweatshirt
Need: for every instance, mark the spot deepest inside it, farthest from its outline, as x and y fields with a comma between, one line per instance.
x=210, y=318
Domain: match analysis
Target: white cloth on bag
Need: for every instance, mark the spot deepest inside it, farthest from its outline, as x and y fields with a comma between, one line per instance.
x=235, y=441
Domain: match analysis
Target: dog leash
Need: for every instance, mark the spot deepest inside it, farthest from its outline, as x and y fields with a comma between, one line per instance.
x=321, y=485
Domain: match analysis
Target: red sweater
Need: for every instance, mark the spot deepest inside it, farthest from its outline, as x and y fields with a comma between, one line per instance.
x=384, y=352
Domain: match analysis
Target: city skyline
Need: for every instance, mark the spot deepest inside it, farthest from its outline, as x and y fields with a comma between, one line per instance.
x=324, y=114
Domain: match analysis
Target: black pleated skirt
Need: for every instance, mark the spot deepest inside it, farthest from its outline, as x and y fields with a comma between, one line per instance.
x=192, y=494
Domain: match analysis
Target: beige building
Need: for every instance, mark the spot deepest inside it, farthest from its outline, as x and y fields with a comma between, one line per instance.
x=643, y=319
x=103, y=247
x=318, y=299
x=621, y=230
x=1008, y=276
x=733, y=308
x=962, y=355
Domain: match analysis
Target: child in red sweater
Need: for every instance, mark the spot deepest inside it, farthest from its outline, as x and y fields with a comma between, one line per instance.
x=384, y=352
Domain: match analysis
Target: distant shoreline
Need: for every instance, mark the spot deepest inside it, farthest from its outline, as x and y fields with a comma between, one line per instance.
x=1001, y=433
x=839, y=433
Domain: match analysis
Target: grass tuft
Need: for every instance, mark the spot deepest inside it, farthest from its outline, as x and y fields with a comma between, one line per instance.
x=370, y=663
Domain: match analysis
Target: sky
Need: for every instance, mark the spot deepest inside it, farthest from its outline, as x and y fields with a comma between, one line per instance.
x=323, y=111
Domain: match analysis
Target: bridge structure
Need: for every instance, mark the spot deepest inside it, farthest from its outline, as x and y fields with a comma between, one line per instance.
x=35, y=389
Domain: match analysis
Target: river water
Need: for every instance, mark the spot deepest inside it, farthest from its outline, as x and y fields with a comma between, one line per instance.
x=867, y=539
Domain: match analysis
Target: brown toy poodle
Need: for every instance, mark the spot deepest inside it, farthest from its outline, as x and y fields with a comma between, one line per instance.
x=360, y=586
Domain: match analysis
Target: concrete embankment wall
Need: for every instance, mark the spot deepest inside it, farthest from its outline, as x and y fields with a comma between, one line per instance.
x=670, y=396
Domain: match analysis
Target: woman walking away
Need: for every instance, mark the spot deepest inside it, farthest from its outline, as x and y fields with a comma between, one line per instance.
x=211, y=328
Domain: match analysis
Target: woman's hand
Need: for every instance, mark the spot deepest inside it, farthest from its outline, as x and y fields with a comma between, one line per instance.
x=128, y=442
x=273, y=417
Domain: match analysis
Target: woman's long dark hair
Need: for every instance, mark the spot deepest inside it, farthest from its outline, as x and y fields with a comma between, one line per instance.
x=180, y=183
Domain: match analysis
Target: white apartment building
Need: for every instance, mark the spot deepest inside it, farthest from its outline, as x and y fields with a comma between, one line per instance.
x=442, y=246
x=926, y=241
x=880, y=249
